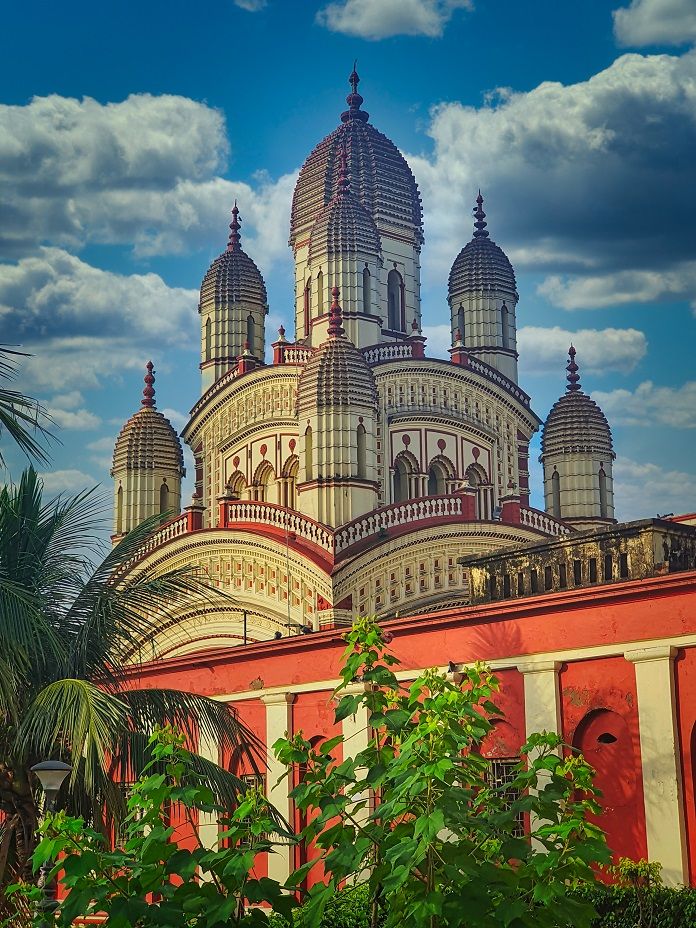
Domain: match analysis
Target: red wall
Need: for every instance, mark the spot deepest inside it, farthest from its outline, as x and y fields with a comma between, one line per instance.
x=685, y=677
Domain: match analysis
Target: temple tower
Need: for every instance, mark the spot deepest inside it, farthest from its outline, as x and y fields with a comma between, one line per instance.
x=577, y=456
x=233, y=308
x=482, y=295
x=148, y=465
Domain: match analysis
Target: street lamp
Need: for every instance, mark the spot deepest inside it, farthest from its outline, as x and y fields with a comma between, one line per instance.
x=51, y=774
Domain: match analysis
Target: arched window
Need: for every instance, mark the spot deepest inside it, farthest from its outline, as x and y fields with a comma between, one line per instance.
x=236, y=485
x=320, y=293
x=164, y=497
x=366, y=285
x=603, y=505
x=361, y=438
x=505, y=325
x=307, y=308
x=476, y=477
x=290, y=469
x=440, y=471
x=208, y=339
x=461, y=323
x=395, y=301
x=250, y=332
x=263, y=478
x=404, y=467
x=309, y=470
x=119, y=511
x=556, y=494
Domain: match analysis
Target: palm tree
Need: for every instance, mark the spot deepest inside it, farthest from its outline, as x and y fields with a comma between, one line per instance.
x=22, y=417
x=70, y=634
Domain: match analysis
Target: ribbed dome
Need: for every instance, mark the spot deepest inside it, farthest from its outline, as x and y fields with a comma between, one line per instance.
x=336, y=374
x=481, y=264
x=148, y=440
x=233, y=276
x=576, y=423
x=381, y=179
x=344, y=225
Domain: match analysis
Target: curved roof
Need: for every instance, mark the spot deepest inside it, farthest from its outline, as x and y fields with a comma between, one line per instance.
x=381, y=179
x=344, y=225
x=576, y=423
x=233, y=277
x=148, y=441
x=336, y=374
x=481, y=264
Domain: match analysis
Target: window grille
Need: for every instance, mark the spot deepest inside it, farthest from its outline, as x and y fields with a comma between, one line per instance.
x=500, y=774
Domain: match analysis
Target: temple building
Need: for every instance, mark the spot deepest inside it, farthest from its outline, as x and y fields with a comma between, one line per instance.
x=346, y=471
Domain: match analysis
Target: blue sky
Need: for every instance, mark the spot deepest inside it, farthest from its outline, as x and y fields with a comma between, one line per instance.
x=129, y=129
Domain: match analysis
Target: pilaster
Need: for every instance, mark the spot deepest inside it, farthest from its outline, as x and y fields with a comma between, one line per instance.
x=278, y=724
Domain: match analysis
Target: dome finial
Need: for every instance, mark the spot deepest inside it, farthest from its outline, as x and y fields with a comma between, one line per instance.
x=148, y=400
x=335, y=315
x=354, y=100
x=480, y=217
x=234, y=240
x=572, y=368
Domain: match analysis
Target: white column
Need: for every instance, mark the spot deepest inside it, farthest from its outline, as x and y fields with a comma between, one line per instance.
x=278, y=724
x=661, y=761
x=356, y=735
x=208, y=822
x=542, y=708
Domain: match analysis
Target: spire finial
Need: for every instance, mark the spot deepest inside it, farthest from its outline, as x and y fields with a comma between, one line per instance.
x=148, y=400
x=572, y=376
x=335, y=315
x=354, y=100
x=480, y=217
x=234, y=240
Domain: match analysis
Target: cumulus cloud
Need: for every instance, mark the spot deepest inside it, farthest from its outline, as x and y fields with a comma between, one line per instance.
x=655, y=22
x=69, y=480
x=650, y=404
x=545, y=350
x=144, y=172
x=177, y=419
x=251, y=6
x=622, y=287
x=78, y=420
x=102, y=444
x=582, y=181
x=372, y=20
x=644, y=490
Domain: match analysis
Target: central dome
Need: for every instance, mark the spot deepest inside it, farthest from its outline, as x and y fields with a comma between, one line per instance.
x=380, y=177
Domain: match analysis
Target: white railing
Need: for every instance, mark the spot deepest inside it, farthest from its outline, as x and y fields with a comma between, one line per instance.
x=543, y=522
x=415, y=510
x=270, y=514
x=490, y=373
x=296, y=354
x=399, y=351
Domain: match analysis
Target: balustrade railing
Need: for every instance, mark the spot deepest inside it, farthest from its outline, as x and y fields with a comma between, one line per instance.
x=296, y=354
x=414, y=510
x=398, y=351
x=241, y=511
x=543, y=522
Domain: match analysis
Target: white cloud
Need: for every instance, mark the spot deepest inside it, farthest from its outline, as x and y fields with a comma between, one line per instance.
x=439, y=340
x=380, y=19
x=102, y=444
x=656, y=22
x=642, y=490
x=544, y=350
x=177, y=419
x=650, y=405
x=69, y=400
x=622, y=287
x=251, y=6
x=70, y=480
x=144, y=172
x=586, y=180
x=78, y=420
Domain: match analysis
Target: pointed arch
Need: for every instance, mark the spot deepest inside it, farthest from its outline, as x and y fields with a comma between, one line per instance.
x=366, y=288
x=477, y=477
x=263, y=478
x=505, y=325
x=208, y=339
x=250, y=333
x=307, y=307
x=119, y=511
x=163, y=497
x=308, y=453
x=405, y=469
x=440, y=471
x=395, y=301
x=289, y=477
x=603, y=496
x=556, y=494
x=361, y=441
x=461, y=323
x=236, y=485
x=320, y=293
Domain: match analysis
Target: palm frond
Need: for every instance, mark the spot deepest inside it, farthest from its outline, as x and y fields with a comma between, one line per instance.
x=78, y=717
x=23, y=418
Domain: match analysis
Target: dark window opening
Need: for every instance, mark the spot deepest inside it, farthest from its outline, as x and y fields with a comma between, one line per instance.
x=506, y=584
x=520, y=584
x=606, y=738
x=548, y=578
x=593, y=570
x=608, y=567
x=577, y=572
x=492, y=585
x=534, y=581
x=562, y=576
x=623, y=565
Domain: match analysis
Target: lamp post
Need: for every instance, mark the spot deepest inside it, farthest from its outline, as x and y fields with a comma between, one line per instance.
x=51, y=774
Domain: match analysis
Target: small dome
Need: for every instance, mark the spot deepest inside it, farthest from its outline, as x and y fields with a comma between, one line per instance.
x=336, y=374
x=576, y=424
x=233, y=277
x=148, y=441
x=481, y=264
x=344, y=225
x=381, y=179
